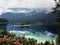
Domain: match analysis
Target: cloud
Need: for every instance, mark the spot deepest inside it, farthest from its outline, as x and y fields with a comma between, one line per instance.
x=5, y=4
x=40, y=37
x=20, y=32
x=27, y=3
x=21, y=10
x=49, y=34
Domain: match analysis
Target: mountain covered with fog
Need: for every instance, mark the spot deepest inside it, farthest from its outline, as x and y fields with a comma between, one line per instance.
x=29, y=15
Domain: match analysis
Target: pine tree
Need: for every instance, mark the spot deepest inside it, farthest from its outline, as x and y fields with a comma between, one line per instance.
x=57, y=10
x=3, y=30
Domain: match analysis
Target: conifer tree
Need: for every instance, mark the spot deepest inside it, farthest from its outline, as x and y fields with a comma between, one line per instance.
x=57, y=10
x=3, y=30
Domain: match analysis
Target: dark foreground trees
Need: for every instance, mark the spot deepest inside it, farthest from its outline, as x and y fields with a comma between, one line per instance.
x=3, y=23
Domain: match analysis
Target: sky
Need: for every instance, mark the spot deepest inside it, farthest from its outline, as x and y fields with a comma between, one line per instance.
x=5, y=4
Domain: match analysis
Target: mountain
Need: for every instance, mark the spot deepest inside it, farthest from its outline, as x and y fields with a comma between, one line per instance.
x=23, y=16
x=29, y=15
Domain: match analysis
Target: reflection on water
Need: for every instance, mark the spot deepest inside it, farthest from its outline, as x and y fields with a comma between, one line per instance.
x=41, y=33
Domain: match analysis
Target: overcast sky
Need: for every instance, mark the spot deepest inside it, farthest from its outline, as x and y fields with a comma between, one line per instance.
x=5, y=4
